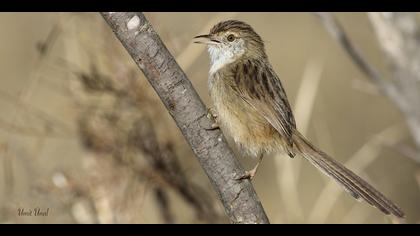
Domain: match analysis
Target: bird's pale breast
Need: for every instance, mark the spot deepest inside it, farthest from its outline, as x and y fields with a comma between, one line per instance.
x=243, y=123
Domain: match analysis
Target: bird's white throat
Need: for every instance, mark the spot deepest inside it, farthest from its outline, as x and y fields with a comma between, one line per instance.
x=221, y=56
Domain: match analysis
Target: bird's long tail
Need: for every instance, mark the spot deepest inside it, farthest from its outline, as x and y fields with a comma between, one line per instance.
x=355, y=185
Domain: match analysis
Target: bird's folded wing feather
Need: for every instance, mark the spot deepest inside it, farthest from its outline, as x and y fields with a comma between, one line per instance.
x=258, y=85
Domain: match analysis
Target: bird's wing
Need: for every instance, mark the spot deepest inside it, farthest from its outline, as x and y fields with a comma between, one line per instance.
x=258, y=85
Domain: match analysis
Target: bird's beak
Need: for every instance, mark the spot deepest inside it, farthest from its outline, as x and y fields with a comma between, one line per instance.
x=206, y=39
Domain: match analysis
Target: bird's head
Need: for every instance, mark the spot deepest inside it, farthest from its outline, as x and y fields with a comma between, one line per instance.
x=231, y=40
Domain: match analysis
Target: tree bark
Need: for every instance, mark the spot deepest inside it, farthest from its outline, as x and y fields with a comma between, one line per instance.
x=240, y=201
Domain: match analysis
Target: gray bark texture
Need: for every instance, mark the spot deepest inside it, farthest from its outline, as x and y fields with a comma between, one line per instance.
x=239, y=199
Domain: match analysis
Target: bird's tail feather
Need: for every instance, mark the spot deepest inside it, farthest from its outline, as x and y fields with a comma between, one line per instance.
x=355, y=185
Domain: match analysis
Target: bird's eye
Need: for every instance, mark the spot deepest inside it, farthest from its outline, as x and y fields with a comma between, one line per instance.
x=231, y=37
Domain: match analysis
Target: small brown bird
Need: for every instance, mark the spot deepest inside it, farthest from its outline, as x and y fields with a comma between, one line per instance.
x=252, y=107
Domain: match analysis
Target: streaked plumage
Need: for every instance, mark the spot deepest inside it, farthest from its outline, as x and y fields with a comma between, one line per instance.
x=253, y=108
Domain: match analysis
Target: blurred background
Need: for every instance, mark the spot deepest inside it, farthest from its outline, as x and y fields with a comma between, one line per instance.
x=83, y=135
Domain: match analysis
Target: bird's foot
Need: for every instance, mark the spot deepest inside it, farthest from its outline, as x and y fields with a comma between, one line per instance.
x=213, y=126
x=211, y=114
x=213, y=117
x=291, y=154
x=249, y=174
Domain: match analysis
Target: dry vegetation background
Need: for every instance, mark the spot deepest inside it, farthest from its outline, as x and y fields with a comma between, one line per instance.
x=83, y=134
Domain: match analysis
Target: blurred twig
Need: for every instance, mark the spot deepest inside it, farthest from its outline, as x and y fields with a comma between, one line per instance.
x=29, y=131
x=306, y=94
x=37, y=112
x=53, y=128
x=21, y=102
x=398, y=37
x=43, y=47
x=290, y=171
x=165, y=163
x=183, y=103
x=405, y=150
x=163, y=202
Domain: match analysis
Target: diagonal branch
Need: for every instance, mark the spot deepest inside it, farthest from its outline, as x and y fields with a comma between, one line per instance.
x=336, y=30
x=186, y=108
